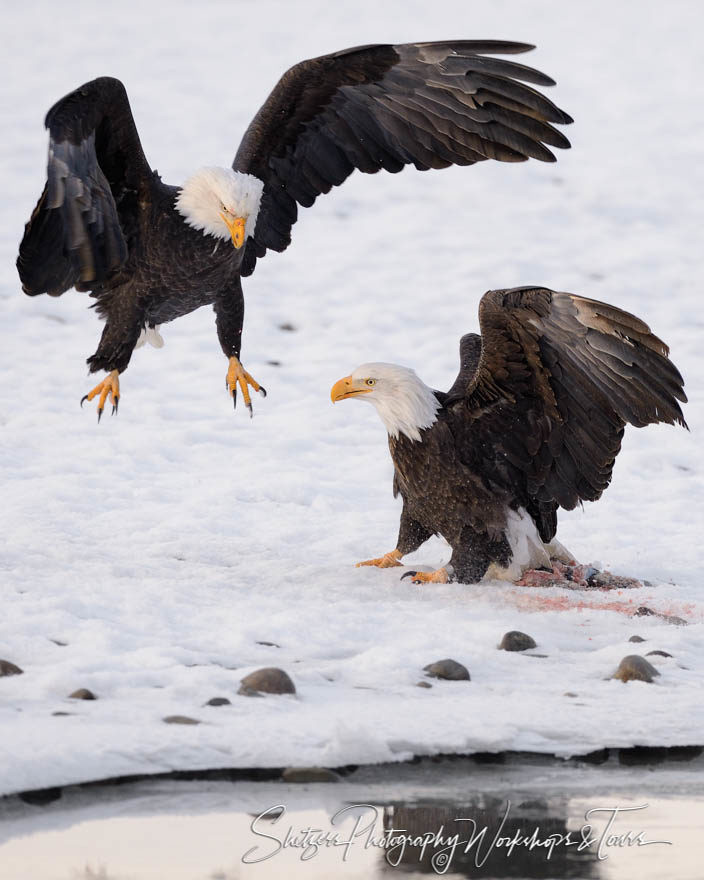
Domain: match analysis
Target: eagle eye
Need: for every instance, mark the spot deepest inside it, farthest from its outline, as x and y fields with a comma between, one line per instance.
x=371, y=382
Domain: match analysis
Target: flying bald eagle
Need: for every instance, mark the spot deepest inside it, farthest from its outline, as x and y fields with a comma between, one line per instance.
x=533, y=422
x=149, y=253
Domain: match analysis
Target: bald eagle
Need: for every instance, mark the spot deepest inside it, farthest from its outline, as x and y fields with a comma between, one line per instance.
x=532, y=423
x=149, y=253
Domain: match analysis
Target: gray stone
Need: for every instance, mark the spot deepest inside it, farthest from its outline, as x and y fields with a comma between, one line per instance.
x=423, y=684
x=636, y=639
x=658, y=654
x=635, y=668
x=7, y=668
x=82, y=694
x=516, y=641
x=309, y=774
x=450, y=670
x=269, y=680
x=179, y=719
x=218, y=701
x=570, y=694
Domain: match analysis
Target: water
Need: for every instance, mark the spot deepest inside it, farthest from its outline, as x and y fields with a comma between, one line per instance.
x=411, y=821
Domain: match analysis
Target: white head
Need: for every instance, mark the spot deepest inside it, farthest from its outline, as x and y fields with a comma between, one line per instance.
x=405, y=404
x=221, y=202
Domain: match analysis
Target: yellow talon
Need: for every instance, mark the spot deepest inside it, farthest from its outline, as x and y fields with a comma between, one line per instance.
x=428, y=577
x=109, y=386
x=388, y=560
x=238, y=376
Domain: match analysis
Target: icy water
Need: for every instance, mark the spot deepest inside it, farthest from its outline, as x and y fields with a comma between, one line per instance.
x=527, y=819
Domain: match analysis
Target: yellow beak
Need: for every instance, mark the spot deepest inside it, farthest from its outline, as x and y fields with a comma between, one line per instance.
x=347, y=387
x=236, y=227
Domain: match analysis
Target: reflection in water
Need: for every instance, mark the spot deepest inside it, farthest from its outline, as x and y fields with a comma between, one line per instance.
x=204, y=830
x=475, y=840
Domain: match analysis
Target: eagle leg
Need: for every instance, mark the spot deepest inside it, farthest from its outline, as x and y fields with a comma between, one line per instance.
x=237, y=375
x=109, y=386
x=388, y=560
x=441, y=576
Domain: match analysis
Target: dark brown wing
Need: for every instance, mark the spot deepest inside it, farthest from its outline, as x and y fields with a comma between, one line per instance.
x=83, y=224
x=427, y=104
x=558, y=379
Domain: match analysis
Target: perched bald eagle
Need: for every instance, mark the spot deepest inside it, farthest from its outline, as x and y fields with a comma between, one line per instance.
x=149, y=253
x=533, y=422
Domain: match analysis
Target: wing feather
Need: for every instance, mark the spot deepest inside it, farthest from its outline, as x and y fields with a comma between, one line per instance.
x=369, y=108
x=550, y=385
x=86, y=219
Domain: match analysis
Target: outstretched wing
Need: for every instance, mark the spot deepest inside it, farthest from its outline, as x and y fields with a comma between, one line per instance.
x=427, y=104
x=558, y=379
x=85, y=220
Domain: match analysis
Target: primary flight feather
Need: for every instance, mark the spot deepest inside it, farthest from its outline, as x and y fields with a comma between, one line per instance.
x=149, y=252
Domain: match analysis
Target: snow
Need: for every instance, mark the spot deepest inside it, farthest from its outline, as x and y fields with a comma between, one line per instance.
x=162, y=545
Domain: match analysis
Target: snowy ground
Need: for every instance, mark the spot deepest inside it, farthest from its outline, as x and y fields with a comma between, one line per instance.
x=162, y=545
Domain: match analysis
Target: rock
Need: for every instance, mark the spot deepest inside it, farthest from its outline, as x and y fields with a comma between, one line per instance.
x=62, y=713
x=218, y=701
x=516, y=641
x=635, y=668
x=287, y=326
x=450, y=670
x=179, y=719
x=570, y=694
x=636, y=639
x=673, y=619
x=658, y=654
x=269, y=680
x=309, y=774
x=423, y=684
x=82, y=694
x=269, y=644
x=7, y=668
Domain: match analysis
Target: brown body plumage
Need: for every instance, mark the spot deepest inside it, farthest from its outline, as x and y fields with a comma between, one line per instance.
x=105, y=222
x=533, y=422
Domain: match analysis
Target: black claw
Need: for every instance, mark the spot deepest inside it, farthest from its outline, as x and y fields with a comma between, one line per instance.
x=100, y=412
x=234, y=398
x=409, y=574
x=251, y=412
x=262, y=390
x=114, y=406
x=85, y=397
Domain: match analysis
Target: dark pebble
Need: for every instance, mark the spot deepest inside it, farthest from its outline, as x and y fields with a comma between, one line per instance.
x=658, y=654
x=309, y=774
x=82, y=694
x=7, y=668
x=423, y=684
x=516, y=641
x=179, y=719
x=269, y=644
x=636, y=639
x=269, y=680
x=570, y=694
x=673, y=619
x=62, y=713
x=635, y=668
x=218, y=701
x=288, y=326
x=450, y=670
